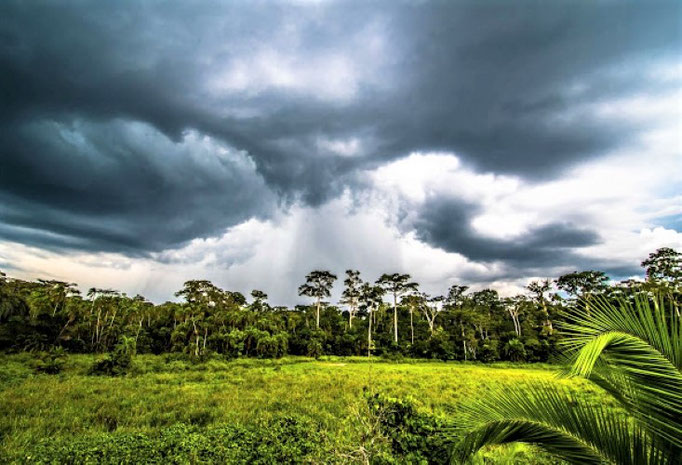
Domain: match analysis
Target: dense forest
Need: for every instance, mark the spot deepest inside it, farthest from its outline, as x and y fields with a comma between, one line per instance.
x=389, y=317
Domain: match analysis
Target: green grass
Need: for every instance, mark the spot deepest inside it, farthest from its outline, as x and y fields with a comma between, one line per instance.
x=161, y=393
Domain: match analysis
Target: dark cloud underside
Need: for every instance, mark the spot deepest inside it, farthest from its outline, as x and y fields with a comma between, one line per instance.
x=447, y=224
x=113, y=115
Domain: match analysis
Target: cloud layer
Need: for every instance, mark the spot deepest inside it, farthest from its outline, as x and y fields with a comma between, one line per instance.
x=505, y=141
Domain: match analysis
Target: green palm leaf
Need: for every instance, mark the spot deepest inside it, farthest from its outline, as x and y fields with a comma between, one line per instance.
x=633, y=350
x=559, y=422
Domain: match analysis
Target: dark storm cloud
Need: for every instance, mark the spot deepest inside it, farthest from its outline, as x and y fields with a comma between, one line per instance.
x=121, y=186
x=446, y=223
x=547, y=250
x=492, y=84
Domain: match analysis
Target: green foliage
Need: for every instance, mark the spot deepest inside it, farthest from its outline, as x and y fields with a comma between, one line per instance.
x=287, y=440
x=160, y=392
x=634, y=351
x=441, y=346
x=52, y=362
x=37, y=316
x=489, y=351
x=514, y=350
x=390, y=316
x=414, y=437
x=118, y=362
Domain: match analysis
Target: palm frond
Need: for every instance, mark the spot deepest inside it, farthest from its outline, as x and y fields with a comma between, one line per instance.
x=633, y=351
x=556, y=420
x=651, y=320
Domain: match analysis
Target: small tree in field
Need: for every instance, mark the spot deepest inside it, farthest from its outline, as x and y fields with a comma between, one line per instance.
x=318, y=285
x=396, y=284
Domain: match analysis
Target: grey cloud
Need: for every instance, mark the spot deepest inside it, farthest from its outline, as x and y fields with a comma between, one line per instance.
x=490, y=84
x=122, y=186
x=549, y=250
x=446, y=223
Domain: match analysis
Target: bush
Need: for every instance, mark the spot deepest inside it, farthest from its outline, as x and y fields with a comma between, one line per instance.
x=119, y=361
x=489, y=351
x=537, y=351
x=52, y=362
x=287, y=440
x=515, y=351
x=440, y=345
x=415, y=437
x=315, y=345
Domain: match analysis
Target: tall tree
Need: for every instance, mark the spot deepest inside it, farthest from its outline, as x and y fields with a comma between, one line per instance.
x=515, y=306
x=202, y=297
x=397, y=285
x=431, y=307
x=318, y=285
x=585, y=284
x=538, y=289
x=664, y=265
x=260, y=300
x=486, y=303
x=53, y=293
x=455, y=297
x=664, y=268
x=371, y=298
x=98, y=297
x=414, y=301
x=351, y=293
x=11, y=301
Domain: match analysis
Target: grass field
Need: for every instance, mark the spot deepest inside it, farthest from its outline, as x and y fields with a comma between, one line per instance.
x=39, y=411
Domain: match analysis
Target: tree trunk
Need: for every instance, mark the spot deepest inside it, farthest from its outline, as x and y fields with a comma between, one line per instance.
x=69, y=321
x=318, y=313
x=97, y=333
x=139, y=328
x=411, y=327
x=196, y=338
x=369, y=336
x=548, y=323
x=395, y=318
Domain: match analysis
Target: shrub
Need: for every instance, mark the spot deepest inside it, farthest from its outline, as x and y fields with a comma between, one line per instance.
x=489, y=351
x=415, y=437
x=515, y=351
x=52, y=362
x=440, y=345
x=536, y=351
x=287, y=440
x=119, y=361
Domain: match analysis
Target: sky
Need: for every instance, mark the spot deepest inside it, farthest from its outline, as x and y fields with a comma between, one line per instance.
x=146, y=143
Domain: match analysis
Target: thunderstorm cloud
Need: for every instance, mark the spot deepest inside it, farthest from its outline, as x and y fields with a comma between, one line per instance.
x=246, y=141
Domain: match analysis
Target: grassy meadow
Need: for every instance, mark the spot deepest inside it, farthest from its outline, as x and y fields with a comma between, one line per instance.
x=43, y=417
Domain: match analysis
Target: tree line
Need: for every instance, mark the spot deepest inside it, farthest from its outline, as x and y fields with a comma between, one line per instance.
x=388, y=316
